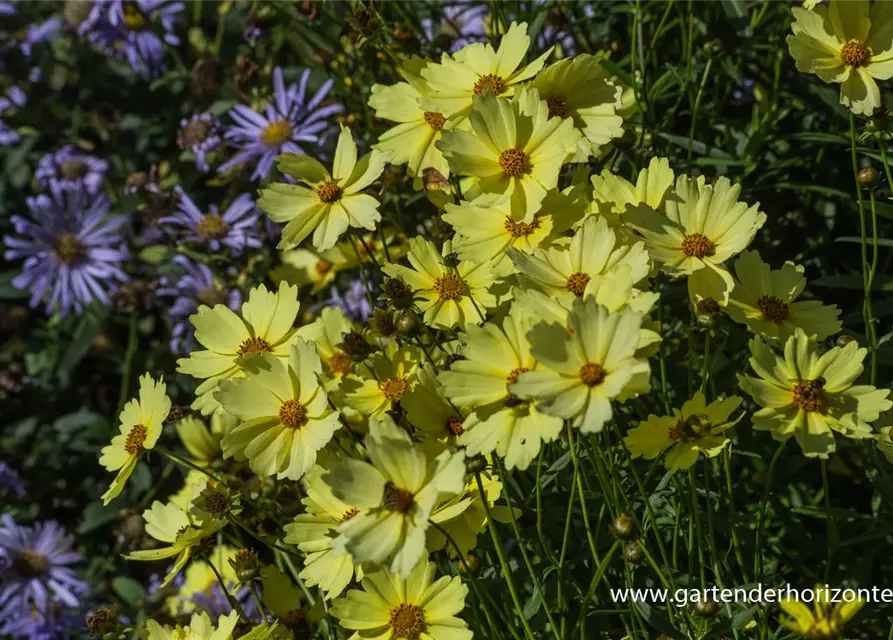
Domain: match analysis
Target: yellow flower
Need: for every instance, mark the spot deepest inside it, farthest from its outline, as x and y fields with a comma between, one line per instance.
x=579, y=89
x=704, y=226
x=585, y=366
x=477, y=70
x=412, y=607
x=171, y=524
x=141, y=423
x=847, y=43
x=200, y=627
x=428, y=410
x=488, y=227
x=810, y=395
x=201, y=579
x=282, y=598
x=391, y=377
x=612, y=194
x=302, y=267
x=312, y=532
x=824, y=621
x=265, y=326
x=395, y=492
x=765, y=300
x=572, y=271
x=463, y=517
x=450, y=297
x=202, y=443
x=697, y=428
x=326, y=333
x=285, y=413
x=495, y=355
x=330, y=202
x=513, y=147
x=412, y=141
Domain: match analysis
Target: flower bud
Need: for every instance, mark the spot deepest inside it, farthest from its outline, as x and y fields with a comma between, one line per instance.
x=868, y=178
x=633, y=553
x=624, y=527
x=706, y=607
x=475, y=464
x=844, y=340
x=355, y=346
x=470, y=564
x=101, y=622
x=408, y=323
x=245, y=564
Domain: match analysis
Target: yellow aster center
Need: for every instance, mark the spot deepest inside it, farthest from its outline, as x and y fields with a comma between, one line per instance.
x=253, y=345
x=74, y=169
x=773, y=308
x=855, y=54
x=521, y=229
x=514, y=162
x=557, y=108
x=196, y=132
x=491, y=82
x=449, y=287
x=396, y=499
x=134, y=19
x=30, y=563
x=135, y=439
x=339, y=363
x=212, y=227
x=350, y=513
x=329, y=192
x=576, y=284
x=592, y=374
x=394, y=388
x=275, y=133
x=68, y=249
x=809, y=396
x=293, y=414
x=454, y=425
x=513, y=376
x=406, y=621
x=698, y=246
x=435, y=120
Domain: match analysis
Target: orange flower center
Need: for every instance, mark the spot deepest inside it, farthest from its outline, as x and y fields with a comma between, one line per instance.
x=329, y=192
x=394, y=388
x=449, y=287
x=350, y=513
x=212, y=227
x=293, y=414
x=275, y=133
x=494, y=83
x=521, y=229
x=435, y=120
x=339, y=363
x=773, y=308
x=397, y=499
x=698, y=245
x=454, y=424
x=557, y=108
x=809, y=396
x=514, y=162
x=576, y=284
x=592, y=374
x=854, y=53
x=406, y=621
x=253, y=345
x=135, y=439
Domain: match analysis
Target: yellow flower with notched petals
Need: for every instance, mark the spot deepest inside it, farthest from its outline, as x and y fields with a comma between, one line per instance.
x=824, y=620
x=200, y=627
x=330, y=202
x=266, y=325
x=570, y=272
x=513, y=147
x=202, y=443
x=477, y=70
x=810, y=395
x=311, y=532
x=394, y=607
x=704, y=226
x=168, y=523
x=395, y=492
x=285, y=413
x=464, y=516
x=412, y=142
x=586, y=365
x=698, y=428
x=450, y=297
x=326, y=333
x=141, y=422
x=430, y=412
x=846, y=43
x=612, y=194
x=579, y=89
x=393, y=375
x=495, y=355
x=766, y=301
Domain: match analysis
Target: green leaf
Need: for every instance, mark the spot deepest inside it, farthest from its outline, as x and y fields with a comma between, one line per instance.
x=130, y=591
x=95, y=516
x=882, y=242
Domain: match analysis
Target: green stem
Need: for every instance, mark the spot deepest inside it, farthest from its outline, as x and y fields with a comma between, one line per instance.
x=260, y=603
x=829, y=516
x=128, y=364
x=696, y=516
x=596, y=578
x=697, y=106
x=589, y=537
x=500, y=554
x=761, y=510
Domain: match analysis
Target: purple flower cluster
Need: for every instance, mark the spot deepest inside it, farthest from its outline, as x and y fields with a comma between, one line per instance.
x=461, y=22
x=354, y=302
x=71, y=170
x=235, y=228
x=196, y=286
x=200, y=135
x=37, y=582
x=73, y=251
x=14, y=98
x=125, y=28
x=287, y=123
x=10, y=482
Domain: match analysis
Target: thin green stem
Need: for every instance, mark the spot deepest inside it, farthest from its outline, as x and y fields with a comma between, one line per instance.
x=260, y=603
x=589, y=537
x=829, y=517
x=697, y=107
x=128, y=364
x=761, y=510
x=596, y=578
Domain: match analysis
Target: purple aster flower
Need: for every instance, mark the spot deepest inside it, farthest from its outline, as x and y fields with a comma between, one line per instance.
x=34, y=34
x=35, y=575
x=7, y=9
x=14, y=98
x=235, y=228
x=461, y=22
x=285, y=124
x=72, y=170
x=10, y=481
x=200, y=135
x=73, y=252
x=125, y=27
x=196, y=286
x=354, y=302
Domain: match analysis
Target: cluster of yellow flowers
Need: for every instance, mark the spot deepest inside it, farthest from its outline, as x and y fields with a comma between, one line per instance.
x=537, y=316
